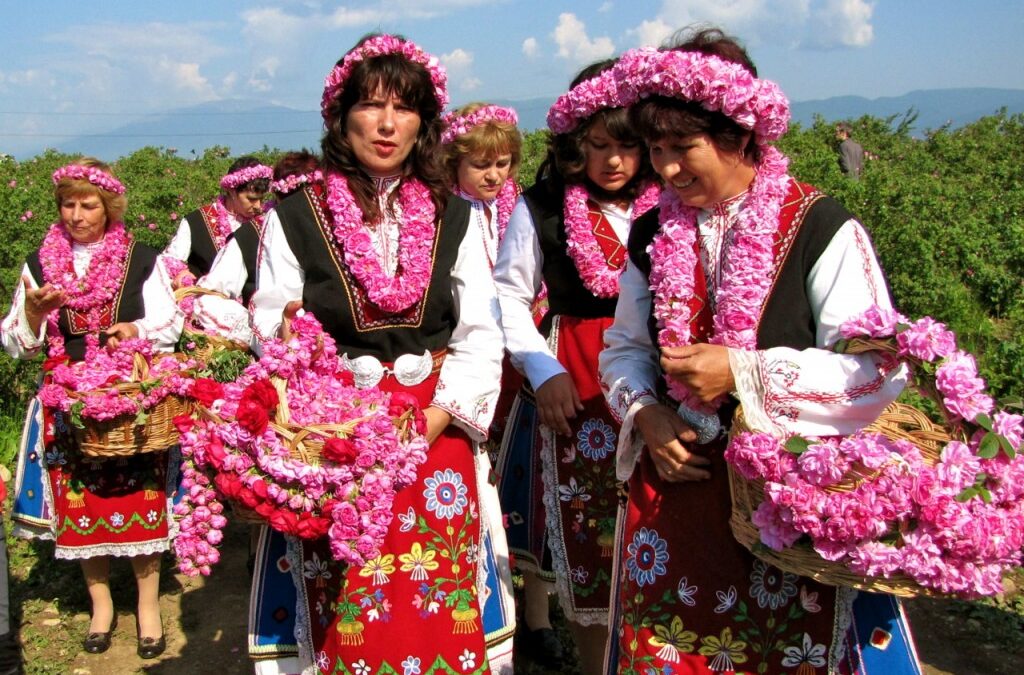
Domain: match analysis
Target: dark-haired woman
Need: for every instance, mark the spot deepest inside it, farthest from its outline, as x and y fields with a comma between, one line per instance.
x=569, y=232
x=735, y=290
x=204, y=232
x=383, y=257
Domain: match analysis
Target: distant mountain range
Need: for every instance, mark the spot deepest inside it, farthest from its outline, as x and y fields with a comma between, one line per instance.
x=245, y=125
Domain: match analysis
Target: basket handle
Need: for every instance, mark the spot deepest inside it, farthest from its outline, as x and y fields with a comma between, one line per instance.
x=140, y=368
x=190, y=291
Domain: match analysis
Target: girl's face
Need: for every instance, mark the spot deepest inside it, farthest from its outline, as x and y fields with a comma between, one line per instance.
x=611, y=163
x=700, y=172
x=482, y=177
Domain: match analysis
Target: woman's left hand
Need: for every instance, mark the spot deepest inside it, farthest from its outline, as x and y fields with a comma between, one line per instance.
x=437, y=421
x=704, y=369
x=121, y=331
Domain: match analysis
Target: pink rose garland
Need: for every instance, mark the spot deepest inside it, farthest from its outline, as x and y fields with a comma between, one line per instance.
x=455, y=126
x=246, y=175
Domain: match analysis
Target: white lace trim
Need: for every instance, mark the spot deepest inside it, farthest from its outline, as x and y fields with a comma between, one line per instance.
x=841, y=626
x=746, y=371
x=120, y=550
x=303, y=634
x=492, y=528
x=630, y=444
x=409, y=369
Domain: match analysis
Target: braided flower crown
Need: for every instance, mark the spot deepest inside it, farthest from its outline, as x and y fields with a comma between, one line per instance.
x=455, y=126
x=97, y=177
x=246, y=175
x=381, y=45
x=717, y=84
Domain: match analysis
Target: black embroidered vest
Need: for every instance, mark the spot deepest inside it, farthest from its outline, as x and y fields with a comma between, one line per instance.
x=339, y=302
x=787, y=320
x=127, y=305
x=566, y=292
x=204, y=248
x=248, y=238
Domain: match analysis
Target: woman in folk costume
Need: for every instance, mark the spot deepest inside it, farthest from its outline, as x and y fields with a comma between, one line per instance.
x=233, y=273
x=386, y=260
x=569, y=232
x=483, y=149
x=734, y=292
x=204, y=232
x=88, y=281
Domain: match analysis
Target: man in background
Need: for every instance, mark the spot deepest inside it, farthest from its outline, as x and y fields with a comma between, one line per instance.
x=851, y=154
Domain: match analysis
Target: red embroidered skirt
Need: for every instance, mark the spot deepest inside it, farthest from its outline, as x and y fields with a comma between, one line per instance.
x=415, y=606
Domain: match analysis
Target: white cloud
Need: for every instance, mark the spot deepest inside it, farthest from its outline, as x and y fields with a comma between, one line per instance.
x=822, y=24
x=530, y=48
x=605, y=7
x=470, y=83
x=184, y=77
x=575, y=45
x=650, y=33
x=459, y=64
x=844, y=22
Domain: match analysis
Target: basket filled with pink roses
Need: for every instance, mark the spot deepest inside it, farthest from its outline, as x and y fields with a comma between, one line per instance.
x=912, y=504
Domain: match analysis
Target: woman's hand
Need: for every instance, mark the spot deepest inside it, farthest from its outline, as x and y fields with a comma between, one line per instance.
x=437, y=421
x=121, y=331
x=39, y=302
x=704, y=369
x=664, y=433
x=558, y=402
x=289, y=312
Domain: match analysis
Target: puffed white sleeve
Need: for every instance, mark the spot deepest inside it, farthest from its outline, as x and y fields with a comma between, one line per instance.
x=517, y=275
x=628, y=365
x=816, y=391
x=225, y=316
x=281, y=279
x=468, y=384
x=18, y=339
x=163, y=320
x=181, y=243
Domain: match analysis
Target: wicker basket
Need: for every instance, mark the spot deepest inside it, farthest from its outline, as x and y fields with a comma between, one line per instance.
x=898, y=421
x=304, y=443
x=121, y=436
x=212, y=343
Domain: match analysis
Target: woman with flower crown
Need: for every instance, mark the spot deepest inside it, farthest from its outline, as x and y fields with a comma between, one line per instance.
x=569, y=232
x=734, y=292
x=91, y=281
x=204, y=232
x=483, y=149
x=385, y=259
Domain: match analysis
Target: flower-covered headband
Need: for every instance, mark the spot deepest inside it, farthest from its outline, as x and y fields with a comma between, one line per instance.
x=455, y=126
x=293, y=182
x=97, y=177
x=379, y=46
x=582, y=101
x=246, y=175
x=717, y=84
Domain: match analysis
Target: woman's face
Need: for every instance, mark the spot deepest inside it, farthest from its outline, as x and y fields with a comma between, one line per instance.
x=482, y=177
x=611, y=163
x=381, y=129
x=245, y=204
x=700, y=172
x=85, y=217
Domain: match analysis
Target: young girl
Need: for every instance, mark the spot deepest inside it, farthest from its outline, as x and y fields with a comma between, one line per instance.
x=569, y=232
x=483, y=148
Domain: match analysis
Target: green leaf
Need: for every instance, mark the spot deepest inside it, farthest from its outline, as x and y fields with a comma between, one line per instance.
x=983, y=421
x=76, y=414
x=797, y=445
x=966, y=494
x=989, y=446
x=840, y=346
x=986, y=496
x=140, y=417
x=1007, y=447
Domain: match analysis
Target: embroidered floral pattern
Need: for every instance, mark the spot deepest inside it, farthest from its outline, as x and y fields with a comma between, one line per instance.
x=445, y=493
x=596, y=439
x=646, y=556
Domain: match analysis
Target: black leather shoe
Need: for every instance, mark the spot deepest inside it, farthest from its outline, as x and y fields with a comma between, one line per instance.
x=543, y=646
x=150, y=648
x=97, y=643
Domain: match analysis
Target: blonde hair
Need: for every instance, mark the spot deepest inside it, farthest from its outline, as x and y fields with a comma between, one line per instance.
x=114, y=205
x=489, y=140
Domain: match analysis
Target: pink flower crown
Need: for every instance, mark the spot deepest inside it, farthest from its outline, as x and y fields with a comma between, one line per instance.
x=582, y=101
x=246, y=175
x=97, y=177
x=455, y=126
x=294, y=181
x=379, y=46
x=717, y=84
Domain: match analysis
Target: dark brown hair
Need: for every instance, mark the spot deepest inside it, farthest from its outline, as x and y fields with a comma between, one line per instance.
x=566, y=160
x=294, y=163
x=660, y=116
x=410, y=82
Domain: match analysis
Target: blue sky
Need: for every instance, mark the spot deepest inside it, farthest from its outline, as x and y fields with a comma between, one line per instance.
x=69, y=68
